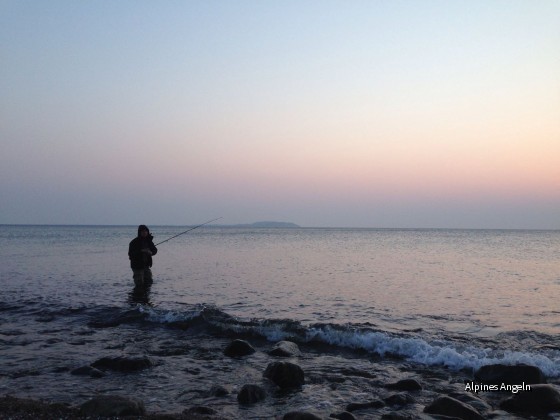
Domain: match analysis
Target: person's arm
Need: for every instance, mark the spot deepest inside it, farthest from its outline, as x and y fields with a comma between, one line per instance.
x=152, y=246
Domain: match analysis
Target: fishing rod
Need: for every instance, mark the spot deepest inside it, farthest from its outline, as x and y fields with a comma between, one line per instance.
x=188, y=230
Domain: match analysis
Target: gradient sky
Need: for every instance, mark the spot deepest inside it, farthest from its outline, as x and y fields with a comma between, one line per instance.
x=351, y=113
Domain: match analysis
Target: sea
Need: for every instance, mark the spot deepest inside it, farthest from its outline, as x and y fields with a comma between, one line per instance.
x=414, y=300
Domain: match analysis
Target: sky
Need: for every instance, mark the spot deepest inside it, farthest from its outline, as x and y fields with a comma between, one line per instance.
x=377, y=113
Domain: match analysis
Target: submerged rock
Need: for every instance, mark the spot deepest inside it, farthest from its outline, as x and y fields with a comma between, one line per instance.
x=510, y=374
x=117, y=319
x=541, y=399
x=447, y=406
x=88, y=371
x=285, y=374
x=250, y=394
x=123, y=364
x=239, y=348
x=113, y=406
x=285, y=349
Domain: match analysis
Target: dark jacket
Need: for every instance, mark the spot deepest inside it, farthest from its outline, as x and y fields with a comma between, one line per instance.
x=139, y=259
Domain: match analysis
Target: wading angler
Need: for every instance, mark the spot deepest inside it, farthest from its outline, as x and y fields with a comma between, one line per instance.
x=140, y=252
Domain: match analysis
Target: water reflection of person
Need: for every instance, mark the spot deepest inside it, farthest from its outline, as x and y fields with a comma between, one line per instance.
x=140, y=252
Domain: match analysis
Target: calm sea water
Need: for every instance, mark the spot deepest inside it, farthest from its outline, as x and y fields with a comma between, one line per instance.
x=455, y=298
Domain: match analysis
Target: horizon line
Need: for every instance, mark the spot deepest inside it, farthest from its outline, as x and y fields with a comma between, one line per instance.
x=255, y=225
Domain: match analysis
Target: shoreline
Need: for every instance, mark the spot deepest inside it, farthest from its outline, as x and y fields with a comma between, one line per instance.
x=384, y=388
x=15, y=408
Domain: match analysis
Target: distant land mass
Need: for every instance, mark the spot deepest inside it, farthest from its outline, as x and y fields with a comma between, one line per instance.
x=269, y=224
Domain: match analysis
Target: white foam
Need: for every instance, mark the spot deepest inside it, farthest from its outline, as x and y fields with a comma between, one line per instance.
x=168, y=316
x=273, y=332
x=437, y=353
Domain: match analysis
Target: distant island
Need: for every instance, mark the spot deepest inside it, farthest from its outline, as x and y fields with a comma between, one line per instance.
x=268, y=224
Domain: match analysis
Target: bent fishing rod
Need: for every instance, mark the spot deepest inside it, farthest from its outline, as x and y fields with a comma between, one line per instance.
x=188, y=230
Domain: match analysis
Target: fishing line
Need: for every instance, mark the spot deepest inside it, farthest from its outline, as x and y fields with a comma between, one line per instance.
x=188, y=230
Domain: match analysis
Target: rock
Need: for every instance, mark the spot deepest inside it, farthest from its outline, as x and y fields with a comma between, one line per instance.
x=408, y=416
x=199, y=410
x=345, y=415
x=472, y=400
x=405, y=385
x=20, y=408
x=88, y=371
x=363, y=406
x=112, y=406
x=285, y=349
x=285, y=374
x=219, y=391
x=510, y=374
x=301, y=415
x=541, y=399
x=123, y=364
x=239, y=348
x=401, y=398
x=498, y=414
x=250, y=394
x=447, y=406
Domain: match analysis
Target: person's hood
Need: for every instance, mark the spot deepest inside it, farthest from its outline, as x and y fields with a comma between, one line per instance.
x=143, y=227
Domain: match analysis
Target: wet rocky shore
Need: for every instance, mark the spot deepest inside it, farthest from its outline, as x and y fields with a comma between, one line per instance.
x=283, y=381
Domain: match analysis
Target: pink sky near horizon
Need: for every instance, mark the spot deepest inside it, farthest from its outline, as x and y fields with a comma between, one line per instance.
x=368, y=114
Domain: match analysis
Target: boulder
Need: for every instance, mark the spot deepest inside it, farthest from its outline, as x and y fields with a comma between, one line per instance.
x=365, y=405
x=285, y=349
x=112, y=406
x=250, y=394
x=541, y=399
x=509, y=374
x=238, y=348
x=402, y=398
x=475, y=402
x=447, y=406
x=285, y=374
x=405, y=385
x=123, y=364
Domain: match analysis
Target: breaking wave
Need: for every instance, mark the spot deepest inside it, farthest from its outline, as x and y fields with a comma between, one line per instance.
x=413, y=348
